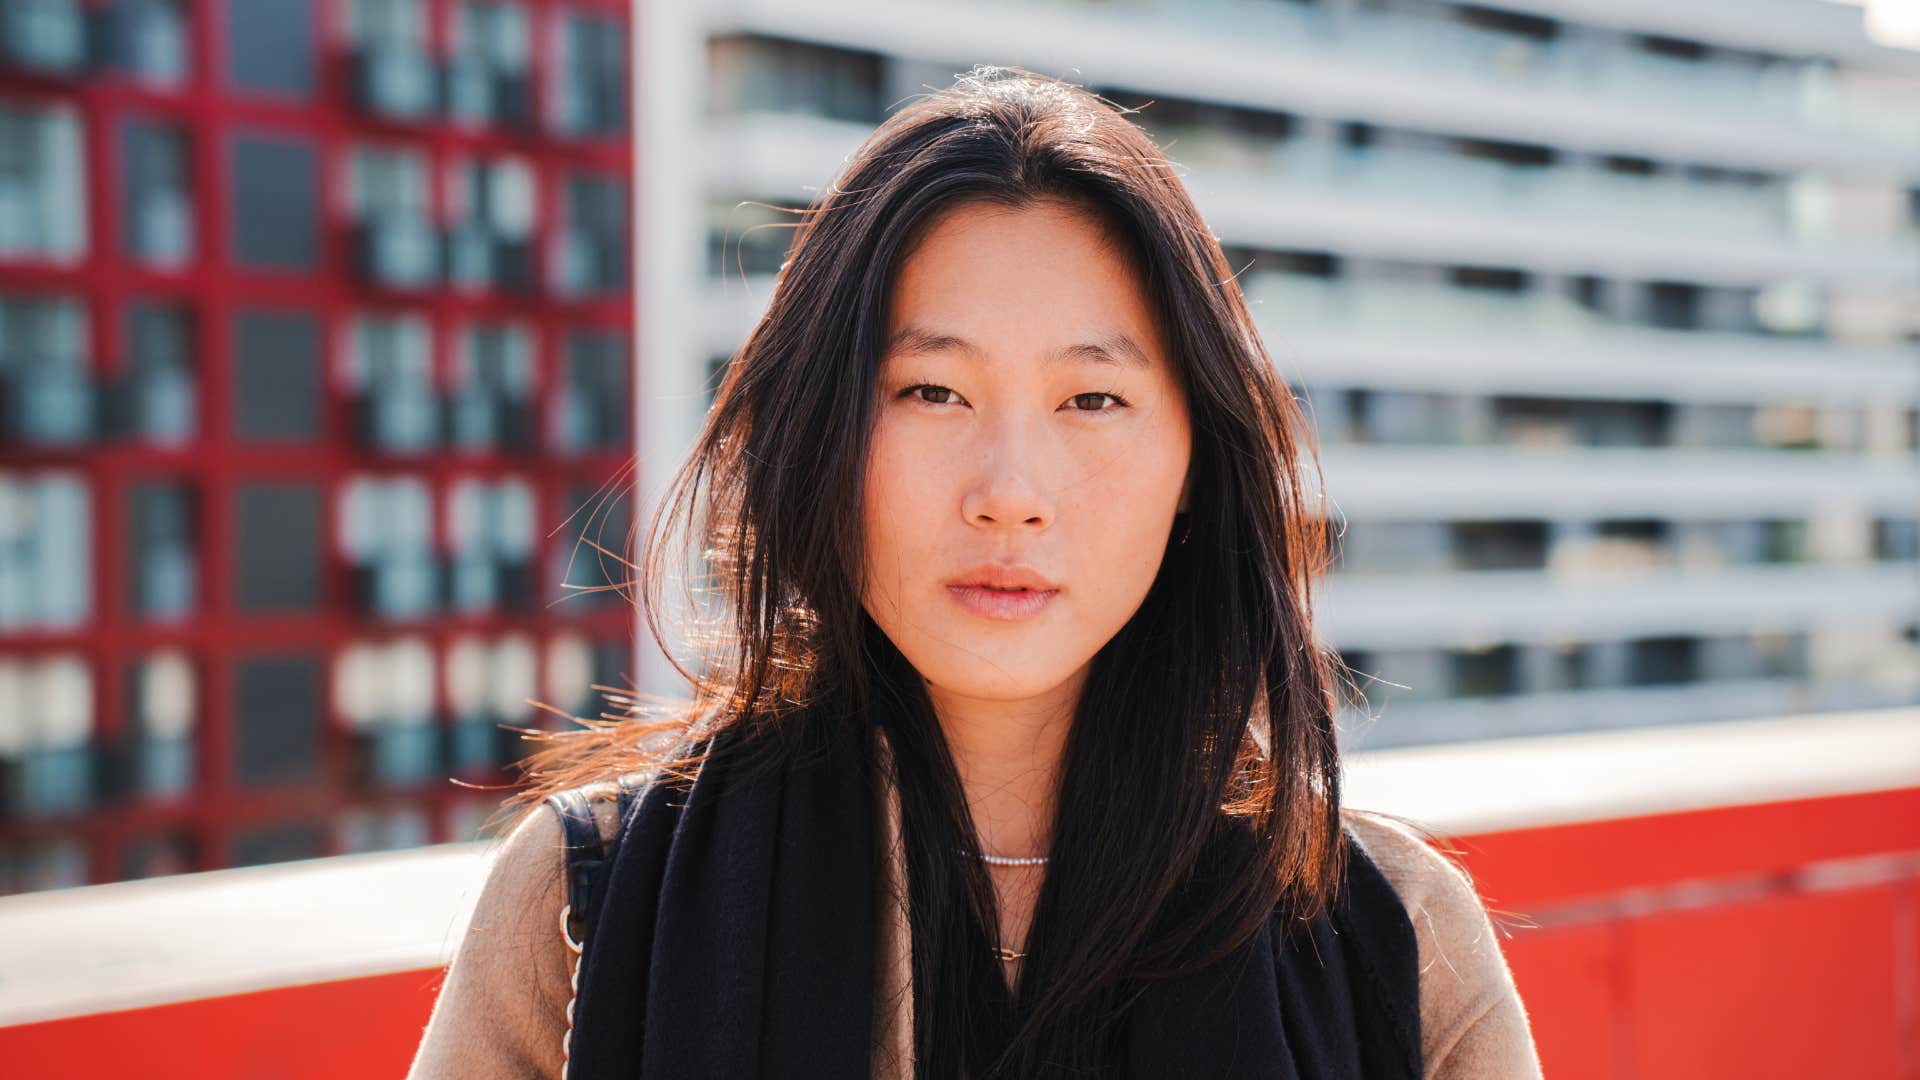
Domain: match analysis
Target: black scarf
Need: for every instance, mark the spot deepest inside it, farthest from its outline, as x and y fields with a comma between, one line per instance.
x=735, y=939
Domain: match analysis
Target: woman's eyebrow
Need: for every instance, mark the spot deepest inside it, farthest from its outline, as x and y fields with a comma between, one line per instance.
x=1116, y=347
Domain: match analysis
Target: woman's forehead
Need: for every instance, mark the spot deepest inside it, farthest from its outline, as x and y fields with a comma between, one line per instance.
x=1042, y=278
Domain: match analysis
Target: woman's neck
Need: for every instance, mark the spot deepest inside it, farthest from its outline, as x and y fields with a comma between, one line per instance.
x=1008, y=755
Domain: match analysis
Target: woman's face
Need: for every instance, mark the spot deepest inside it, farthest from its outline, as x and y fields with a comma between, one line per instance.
x=1030, y=449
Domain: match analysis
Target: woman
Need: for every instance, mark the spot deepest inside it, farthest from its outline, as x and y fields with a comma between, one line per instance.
x=1015, y=756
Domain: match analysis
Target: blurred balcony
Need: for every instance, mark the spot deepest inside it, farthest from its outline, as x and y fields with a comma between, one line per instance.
x=1396, y=69
x=1658, y=893
x=1425, y=205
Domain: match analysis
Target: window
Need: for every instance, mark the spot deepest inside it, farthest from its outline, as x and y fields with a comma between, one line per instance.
x=386, y=531
x=270, y=46
x=589, y=65
x=1500, y=545
x=45, y=554
x=1483, y=672
x=161, y=574
x=385, y=696
x=592, y=255
x=156, y=194
x=1896, y=538
x=753, y=74
x=147, y=39
x=162, y=704
x=46, y=386
x=748, y=239
x=492, y=404
x=592, y=401
x=46, y=729
x=487, y=74
x=159, y=403
x=48, y=36
x=491, y=204
x=1662, y=661
x=276, y=719
x=488, y=683
x=393, y=76
x=584, y=575
x=275, y=203
x=490, y=529
x=395, y=242
x=276, y=376
x=390, y=373
x=276, y=561
x=43, y=184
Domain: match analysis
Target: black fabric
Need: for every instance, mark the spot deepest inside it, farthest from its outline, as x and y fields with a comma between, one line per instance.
x=734, y=938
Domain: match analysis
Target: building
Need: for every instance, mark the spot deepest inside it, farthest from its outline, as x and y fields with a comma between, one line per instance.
x=314, y=373
x=1607, y=315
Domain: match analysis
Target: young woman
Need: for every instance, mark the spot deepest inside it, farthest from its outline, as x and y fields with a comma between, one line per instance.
x=1015, y=755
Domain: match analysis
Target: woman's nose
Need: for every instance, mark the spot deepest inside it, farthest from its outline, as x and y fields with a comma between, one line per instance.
x=1008, y=488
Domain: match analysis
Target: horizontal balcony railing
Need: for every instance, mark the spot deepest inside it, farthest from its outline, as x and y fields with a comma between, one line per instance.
x=1421, y=205
x=1398, y=73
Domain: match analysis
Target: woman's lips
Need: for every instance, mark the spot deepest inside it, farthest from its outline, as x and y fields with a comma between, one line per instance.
x=1005, y=604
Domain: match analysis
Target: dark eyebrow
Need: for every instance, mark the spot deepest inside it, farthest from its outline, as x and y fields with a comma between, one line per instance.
x=1114, y=348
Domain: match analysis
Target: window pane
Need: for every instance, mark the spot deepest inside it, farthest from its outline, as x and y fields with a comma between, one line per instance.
x=147, y=39
x=590, y=54
x=162, y=707
x=161, y=573
x=593, y=401
x=487, y=71
x=162, y=406
x=270, y=46
x=585, y=576
x=276, y=716
x=276, y=376
x=157, y=195
x=277, y=552
x=386, y=534
x=42, y=184
x=48, y=721
x=390, y=368
x=275, y=185
x=47, y=391
x=45, y=532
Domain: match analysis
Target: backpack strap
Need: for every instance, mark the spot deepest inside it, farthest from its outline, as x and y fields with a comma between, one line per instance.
x=586, y=861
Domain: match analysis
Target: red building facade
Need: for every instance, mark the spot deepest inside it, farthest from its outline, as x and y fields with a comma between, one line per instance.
x=314, y=374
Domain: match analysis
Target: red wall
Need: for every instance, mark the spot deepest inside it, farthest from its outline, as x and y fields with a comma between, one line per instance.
x=1774, y=940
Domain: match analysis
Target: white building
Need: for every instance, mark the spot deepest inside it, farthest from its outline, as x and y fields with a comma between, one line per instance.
x=1608, y=313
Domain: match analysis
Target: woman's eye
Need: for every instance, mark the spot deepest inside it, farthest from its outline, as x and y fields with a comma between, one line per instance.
x=1091, y=402
x=932, y=395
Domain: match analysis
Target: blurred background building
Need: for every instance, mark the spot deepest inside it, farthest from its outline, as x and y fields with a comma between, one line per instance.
x=1607, y=313
x=314, y=360
x=316, y=366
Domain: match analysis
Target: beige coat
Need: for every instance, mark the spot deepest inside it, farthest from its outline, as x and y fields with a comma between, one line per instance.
x=502, y=1009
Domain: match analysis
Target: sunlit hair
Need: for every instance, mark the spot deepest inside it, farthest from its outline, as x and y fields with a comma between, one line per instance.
x=1204, y=745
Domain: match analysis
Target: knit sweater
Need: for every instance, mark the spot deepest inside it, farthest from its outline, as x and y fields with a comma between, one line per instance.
x=502, y=1009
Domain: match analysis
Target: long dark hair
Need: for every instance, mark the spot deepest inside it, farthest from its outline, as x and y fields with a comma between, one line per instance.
x=1199, y=793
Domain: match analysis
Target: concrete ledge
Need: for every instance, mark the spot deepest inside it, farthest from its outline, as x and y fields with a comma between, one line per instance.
x=131, y=945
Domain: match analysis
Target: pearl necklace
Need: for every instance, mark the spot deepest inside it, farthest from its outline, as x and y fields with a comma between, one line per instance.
x=1007, y=860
